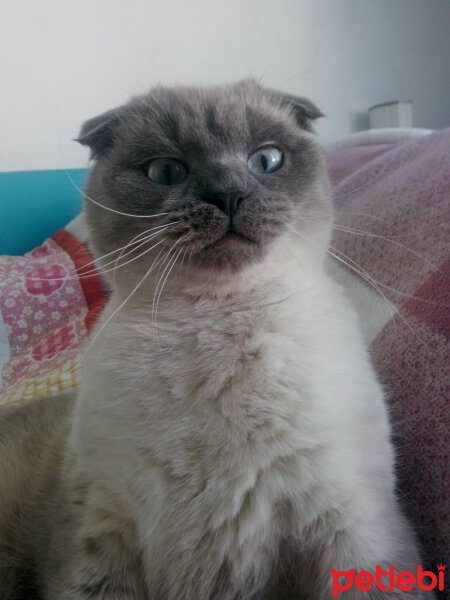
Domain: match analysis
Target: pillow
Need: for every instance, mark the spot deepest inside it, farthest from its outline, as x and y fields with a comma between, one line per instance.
x=34, y=204
x=46, y=312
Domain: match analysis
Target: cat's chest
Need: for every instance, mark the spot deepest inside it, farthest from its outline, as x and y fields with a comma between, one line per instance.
x=218, y=420
x=230, y=387
x=231, y=362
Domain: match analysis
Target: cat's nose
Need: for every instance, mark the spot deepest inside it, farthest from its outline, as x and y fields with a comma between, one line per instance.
x=227, y=202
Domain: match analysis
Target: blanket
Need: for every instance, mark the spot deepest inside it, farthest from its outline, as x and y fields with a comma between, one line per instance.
x=393, y=231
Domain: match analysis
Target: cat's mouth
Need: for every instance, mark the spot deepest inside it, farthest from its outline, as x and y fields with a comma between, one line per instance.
x=229, y=238
x=231, y=251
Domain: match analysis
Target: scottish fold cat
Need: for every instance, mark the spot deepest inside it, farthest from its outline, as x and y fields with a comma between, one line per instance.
x=230, y=440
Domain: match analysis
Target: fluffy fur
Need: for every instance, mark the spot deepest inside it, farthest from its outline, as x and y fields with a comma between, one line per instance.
x=234, y=443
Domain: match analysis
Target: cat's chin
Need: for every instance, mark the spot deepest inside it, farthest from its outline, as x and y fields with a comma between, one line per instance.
x=231, y=252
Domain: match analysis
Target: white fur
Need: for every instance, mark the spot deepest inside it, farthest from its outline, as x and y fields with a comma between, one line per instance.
x=252, y=393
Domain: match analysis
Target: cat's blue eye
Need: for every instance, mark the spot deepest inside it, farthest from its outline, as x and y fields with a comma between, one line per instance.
x=266, y=160
x=167, y=171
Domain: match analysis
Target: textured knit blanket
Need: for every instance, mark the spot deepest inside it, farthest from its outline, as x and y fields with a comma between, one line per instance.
x=396, y=200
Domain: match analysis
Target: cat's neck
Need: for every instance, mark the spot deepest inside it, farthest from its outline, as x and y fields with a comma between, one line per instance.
x=269, y=280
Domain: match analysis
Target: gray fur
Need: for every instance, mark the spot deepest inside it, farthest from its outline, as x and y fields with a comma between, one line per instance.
x=213, y=133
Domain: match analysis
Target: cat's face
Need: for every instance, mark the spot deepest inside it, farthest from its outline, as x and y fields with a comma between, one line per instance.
x=230, y=168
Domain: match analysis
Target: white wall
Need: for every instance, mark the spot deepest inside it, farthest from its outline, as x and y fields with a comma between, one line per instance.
x=63, y=61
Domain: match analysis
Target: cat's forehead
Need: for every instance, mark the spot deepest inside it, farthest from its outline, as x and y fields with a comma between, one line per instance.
x=202, y=115
x=209, y=118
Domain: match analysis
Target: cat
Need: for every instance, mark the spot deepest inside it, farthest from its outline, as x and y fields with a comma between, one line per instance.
x=230, y=440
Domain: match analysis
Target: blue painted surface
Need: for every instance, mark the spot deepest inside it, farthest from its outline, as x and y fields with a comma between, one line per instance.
x=35, y=204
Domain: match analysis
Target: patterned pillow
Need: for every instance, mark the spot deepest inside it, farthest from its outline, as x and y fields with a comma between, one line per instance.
x=46, y=312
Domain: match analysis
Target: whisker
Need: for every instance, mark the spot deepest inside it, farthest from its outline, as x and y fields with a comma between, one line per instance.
x=384, y=285
x=357, y=269
x=118, y=212
x=131, y=243
x=155, y=263
x=360, y=271
x=112, y=315
x=374, y=235
x=131, y=259
x=139, y=243
x=373, y=282
x=101, y=270
x=160, y=273
x=191, y=254
x=399, y=235
x=121, y=253
x=162, y=269
x=160, y=279
x=374, y=217
x=172, y=264
x=80, y=273
x=182, y=261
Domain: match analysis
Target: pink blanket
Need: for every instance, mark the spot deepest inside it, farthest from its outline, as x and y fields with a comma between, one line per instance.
x=398, y=198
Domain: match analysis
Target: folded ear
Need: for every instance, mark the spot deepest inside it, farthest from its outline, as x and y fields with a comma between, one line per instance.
x=303, y=109
x=98, y=133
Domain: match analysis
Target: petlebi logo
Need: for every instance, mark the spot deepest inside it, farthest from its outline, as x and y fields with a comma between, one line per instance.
x=388, y=580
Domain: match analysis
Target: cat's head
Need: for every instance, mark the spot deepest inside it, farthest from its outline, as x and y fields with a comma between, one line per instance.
x=231, y=168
